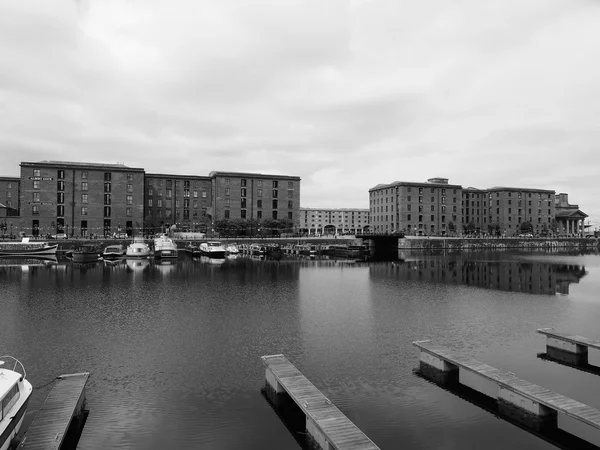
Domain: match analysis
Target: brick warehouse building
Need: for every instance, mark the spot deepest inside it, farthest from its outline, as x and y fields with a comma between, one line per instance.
x=438, y=208
x=258, y=196
x=415, y=208
x=80, y=198
x=319, y=221
x=181, y=200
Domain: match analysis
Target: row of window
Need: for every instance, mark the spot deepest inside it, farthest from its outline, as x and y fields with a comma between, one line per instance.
x=169, y=193
x=60, y=211
x=169, y=183
x=60, y=175
x=259, y=214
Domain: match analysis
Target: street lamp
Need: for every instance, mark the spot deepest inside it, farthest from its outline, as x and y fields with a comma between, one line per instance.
x=11, y=230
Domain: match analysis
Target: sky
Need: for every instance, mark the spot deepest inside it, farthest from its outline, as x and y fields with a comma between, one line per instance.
x=346, y=94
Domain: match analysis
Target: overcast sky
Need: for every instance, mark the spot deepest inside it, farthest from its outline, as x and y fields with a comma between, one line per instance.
x=344, y=94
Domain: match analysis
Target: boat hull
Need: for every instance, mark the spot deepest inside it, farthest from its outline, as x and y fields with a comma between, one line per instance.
x=83, y=257
x=165, y=253
x=13, y=426
x=213, y=254
x=15, y=250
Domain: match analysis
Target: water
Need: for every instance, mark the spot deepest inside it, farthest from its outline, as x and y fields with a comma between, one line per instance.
x=174, y=349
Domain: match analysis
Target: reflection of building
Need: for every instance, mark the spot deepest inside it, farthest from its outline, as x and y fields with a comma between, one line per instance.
x=334, y=221
x=80, y=198
x=569, y=217
x=530, y=278
x=438, y=208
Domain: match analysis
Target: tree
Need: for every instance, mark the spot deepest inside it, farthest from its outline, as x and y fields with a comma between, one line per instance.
x=554, y=225
x=470, y=228
x=494, y=229
x=526, y=227
x=452, y=227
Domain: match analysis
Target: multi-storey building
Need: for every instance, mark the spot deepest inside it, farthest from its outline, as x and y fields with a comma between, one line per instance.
x=9, y=197
x=508, y=208
x=319, y=221
x=180, y=200
x=416, y=208
x=257, y=196
x=438, y=208
x=80, y=198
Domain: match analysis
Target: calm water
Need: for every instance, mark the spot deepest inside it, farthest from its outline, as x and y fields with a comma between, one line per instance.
x=174, y=350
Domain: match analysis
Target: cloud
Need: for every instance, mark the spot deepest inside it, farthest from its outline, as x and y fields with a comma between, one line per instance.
x=346, y=95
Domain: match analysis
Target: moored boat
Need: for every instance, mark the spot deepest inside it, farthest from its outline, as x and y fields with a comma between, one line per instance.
x=15, y=392
x=257, y=249
x=164, y=247
x=86, y=253
x=138, y=248
x=193, y=249
x=25, y=248
x=232, y=249
x=113, y=251
x=212, y=249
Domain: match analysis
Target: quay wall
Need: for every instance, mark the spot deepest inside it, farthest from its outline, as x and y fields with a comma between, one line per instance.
x=435, y=243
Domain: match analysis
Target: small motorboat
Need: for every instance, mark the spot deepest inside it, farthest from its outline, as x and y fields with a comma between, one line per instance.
x=114, y=251
x=232, y=249
x=86, y=253
x=192, y=250
x=15, y=392
x=164, y=247
x=138, y=248
x=212, y=249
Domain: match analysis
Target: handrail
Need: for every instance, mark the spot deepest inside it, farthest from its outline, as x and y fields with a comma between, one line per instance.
x=24, y=375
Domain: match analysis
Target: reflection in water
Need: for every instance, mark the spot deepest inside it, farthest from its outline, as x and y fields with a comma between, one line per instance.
x=518, y=276
x=174, y=350
x=543, y=428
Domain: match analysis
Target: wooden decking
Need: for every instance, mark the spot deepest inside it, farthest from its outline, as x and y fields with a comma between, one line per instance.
x=341, y=433
x=546, y=397
x=66, y=400
x=572, y=338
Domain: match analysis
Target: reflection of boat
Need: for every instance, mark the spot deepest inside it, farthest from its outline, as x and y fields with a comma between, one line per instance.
x=15, y=391
x=346, y=251
x=7, y=261
x=113, y=262
x=211, y=260
x=137, y=265
x=273, y=251
x=86, y=254
x=212, y=249
x=164, y=247
x=113, y=251
x=138, y=248
x=25, y=247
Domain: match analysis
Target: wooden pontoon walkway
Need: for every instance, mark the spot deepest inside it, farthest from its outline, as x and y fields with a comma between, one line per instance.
x=506, y=380
x=571, y=338
x=65, y=401
x=340, y=433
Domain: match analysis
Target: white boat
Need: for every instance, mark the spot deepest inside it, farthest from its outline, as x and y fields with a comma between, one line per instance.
x=212, y=249
x=25, y=248
x=232, y=249
x=15, y=392
x=164, y=247
x=113, y=251
x=138, y=249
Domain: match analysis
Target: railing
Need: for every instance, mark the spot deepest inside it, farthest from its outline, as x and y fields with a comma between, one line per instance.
x=17, y=362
